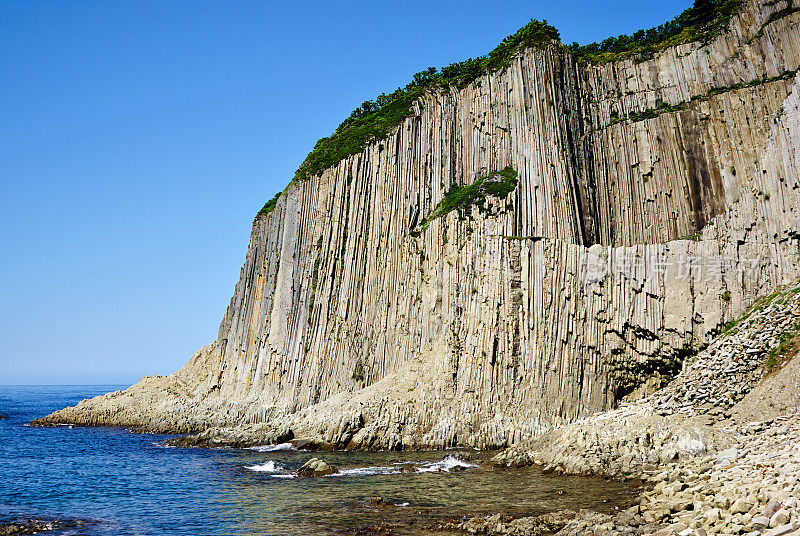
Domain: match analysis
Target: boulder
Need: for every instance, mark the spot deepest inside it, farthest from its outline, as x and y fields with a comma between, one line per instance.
x=741, y=506
x=316, y=467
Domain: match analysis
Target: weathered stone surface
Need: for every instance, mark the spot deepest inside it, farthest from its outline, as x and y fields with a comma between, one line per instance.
x=354, y=327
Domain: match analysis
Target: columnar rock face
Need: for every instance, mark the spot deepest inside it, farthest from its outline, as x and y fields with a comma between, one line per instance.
x=624, y=247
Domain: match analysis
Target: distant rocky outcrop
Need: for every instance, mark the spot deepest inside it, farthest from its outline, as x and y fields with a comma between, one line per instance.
x=547, y=241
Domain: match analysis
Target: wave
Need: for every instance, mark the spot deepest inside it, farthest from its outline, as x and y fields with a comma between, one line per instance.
x=268, y=467
x=272, y=469
x=272, y=448
x=445, y=465
x=367, y=471
x=442, y=466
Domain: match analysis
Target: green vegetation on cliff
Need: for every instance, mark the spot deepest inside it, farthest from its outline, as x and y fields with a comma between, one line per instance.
x=787, y=341
x=665, y=107
x=779, y=296
x=702, y=22
x=461, y=198
x=374, y=120
x=269, y=206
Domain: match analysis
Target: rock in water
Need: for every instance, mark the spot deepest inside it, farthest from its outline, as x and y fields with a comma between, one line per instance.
x=408, y=468
x=36, y=526
x=316, y=467
x=380, y=502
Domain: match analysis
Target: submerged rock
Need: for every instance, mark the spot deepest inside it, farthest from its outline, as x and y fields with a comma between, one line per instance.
x=380, y=502
x=503, y=524
x=235, y=437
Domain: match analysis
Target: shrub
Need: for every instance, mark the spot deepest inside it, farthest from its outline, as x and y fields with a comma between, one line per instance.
x=701, y=22
x=461, y=198
x=358, y=371
x=269, y=206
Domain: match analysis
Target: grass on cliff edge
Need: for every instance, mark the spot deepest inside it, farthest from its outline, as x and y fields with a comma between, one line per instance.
x=779, y=296
x=269, y=206
x=376, y=119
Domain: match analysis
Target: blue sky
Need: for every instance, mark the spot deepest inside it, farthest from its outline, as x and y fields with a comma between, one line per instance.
x=139, y=138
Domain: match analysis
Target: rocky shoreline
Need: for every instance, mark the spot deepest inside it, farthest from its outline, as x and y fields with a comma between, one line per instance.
x=707, y=466
x=707, y=463
x=752, y=488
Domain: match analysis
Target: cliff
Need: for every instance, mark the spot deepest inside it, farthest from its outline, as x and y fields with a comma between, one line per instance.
x=643, y=203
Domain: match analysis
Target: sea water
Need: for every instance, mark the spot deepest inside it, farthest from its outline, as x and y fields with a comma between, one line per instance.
x=113, y=481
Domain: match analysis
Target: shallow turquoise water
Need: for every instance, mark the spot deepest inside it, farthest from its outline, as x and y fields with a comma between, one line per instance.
x=123, y=483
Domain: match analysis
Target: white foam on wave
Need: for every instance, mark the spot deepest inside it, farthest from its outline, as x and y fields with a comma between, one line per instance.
x=268, y=467
x=444, y=466
x=272, y=448
x=367, y=471
x=441, y=466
